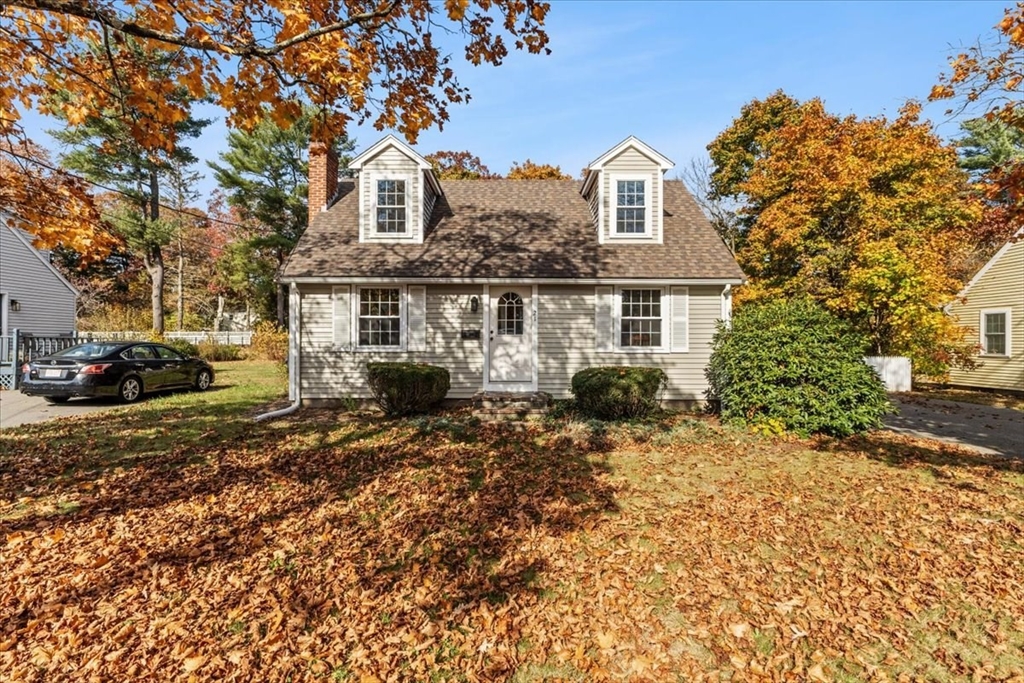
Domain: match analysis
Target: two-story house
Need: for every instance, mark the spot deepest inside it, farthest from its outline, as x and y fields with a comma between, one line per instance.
x=513, y=285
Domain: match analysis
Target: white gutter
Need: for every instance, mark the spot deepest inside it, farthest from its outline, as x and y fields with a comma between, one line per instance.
x=294, y=385
x=693, y=282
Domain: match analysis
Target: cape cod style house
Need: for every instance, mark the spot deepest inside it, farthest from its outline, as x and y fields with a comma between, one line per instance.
x=512, y=285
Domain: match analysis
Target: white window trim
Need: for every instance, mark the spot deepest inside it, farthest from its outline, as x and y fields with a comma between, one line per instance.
x=666, y=322
x=403, y=320
x=371, y=230
x=613, y=205
x=983, y=338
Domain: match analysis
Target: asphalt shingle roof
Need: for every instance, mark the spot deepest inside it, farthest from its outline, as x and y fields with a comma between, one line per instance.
x=512, y=229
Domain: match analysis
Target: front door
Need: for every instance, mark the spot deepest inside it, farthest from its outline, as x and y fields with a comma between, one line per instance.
x=511, y=339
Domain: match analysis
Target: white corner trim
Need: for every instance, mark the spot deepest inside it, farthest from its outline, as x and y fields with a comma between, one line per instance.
x=1007, y=333
x=35, y=252
x=295, y=344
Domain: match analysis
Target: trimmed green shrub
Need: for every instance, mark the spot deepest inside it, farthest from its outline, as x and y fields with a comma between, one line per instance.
x=183, y=346
x=617, y=392
x=407, y=388
x=215, y=353
x=793, y=366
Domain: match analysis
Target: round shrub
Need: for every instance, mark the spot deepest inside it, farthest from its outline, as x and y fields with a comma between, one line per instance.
x=793, y=366
x=407, y=388
x=617, y=392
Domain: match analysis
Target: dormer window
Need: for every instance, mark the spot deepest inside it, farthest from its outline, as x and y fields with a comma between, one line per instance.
x=630, y=207
x=391, y=207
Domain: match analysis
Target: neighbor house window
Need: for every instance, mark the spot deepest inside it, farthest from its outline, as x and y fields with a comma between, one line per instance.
x=380, y=317
x=391, y=207
x=630, y=207
x=640, y=322
x=994, y=332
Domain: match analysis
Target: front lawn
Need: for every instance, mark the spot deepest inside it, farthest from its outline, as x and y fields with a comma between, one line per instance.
x=177, y=539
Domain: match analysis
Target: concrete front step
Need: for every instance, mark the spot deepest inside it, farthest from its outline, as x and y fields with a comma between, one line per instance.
x=492, y=406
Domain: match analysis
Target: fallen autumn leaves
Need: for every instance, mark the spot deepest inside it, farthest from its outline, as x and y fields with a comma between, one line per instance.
x=438, y=549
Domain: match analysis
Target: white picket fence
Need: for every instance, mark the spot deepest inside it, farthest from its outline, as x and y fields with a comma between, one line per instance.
x=894, y=371
x=240, y=338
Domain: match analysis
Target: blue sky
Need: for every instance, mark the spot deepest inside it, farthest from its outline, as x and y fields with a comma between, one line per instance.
x=675, y=74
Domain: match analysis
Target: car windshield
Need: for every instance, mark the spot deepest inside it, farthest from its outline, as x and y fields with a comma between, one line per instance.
x=87, y=351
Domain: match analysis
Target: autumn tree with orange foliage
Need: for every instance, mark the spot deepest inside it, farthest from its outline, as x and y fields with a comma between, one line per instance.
x=992, y=77
x=459, y=166
x=353, y=61
x=868, y=216
x=531, y=171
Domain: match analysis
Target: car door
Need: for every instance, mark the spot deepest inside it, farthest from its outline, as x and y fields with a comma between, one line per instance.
x=142, y=359
x=175, y=369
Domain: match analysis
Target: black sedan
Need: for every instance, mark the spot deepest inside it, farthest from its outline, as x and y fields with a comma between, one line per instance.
x=126, y=370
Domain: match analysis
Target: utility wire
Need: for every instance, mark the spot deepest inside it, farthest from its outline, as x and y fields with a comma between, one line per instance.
x=42, y=164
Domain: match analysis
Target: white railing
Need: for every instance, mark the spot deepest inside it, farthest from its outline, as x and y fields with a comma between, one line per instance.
x=240, y=338
x=894, y=371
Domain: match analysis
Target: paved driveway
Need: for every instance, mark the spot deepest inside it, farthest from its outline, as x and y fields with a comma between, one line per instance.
x=17, y=409
x=998, y=431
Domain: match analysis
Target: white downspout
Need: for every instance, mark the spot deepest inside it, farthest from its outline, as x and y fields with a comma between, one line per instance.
x=294, y=383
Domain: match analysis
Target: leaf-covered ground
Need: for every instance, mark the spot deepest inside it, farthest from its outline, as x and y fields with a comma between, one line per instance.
x=177, y=540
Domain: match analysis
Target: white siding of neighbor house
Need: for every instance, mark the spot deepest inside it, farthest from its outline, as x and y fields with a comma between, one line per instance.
x=565, y=336
x=633, y=164
x=1001, y=286
x=567, y=342
x=47, y=305
x=330, y=373
x=391, y=160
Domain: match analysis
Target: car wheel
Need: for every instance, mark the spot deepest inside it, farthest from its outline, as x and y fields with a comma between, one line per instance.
x=54, y=400
x=130, y=390
x=203, y=380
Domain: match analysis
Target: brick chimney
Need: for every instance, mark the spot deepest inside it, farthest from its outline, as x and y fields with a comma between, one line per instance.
x=323, y=177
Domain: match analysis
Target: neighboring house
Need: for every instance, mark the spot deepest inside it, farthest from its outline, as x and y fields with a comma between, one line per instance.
x=991, y=306
x=513, y=285
x=34, y=297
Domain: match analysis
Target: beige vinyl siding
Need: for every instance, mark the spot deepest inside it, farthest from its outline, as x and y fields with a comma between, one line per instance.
x=634, y=164
x=1001, y=286
x=391, y=160
x=566, y=335
x=330, y=373
x=47, y=305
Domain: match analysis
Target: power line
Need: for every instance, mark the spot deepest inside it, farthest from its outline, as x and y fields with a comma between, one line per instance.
x=42, y=164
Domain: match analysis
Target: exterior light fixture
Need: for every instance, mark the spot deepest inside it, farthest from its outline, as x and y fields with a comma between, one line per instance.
x=474, y=304
x=15, y=305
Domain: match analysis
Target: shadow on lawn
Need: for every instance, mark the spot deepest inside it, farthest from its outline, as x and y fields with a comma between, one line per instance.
x=381, y=502
x=903, y=451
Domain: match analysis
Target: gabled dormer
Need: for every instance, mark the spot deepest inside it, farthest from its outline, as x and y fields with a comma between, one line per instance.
x=624, y=187
x=397, y=192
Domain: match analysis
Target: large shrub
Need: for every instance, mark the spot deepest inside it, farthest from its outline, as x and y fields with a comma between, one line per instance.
x=793, y=366
x=269, y=342
x=214, y=352
x=614, y=392
x=407, y=388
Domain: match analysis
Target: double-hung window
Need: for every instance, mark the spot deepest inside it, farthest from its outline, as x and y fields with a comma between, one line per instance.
x=391, y=207
x=640, y=320
x=995, y=326
x=380, y=317
x=630, y=207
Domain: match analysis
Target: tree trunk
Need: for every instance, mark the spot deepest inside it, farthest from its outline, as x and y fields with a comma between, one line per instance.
x=219, y=320
x=181, y=285
x=154, y=260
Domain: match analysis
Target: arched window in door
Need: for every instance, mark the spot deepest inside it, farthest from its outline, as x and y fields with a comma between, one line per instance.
x=510, y=314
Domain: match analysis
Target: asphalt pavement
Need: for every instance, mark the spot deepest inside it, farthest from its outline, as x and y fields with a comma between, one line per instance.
x=996, y=431
x=18, y=409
